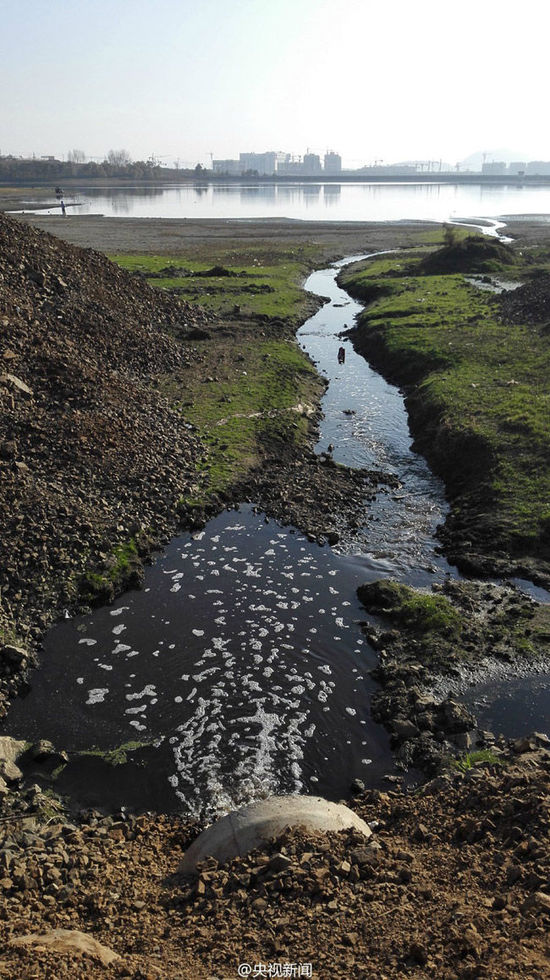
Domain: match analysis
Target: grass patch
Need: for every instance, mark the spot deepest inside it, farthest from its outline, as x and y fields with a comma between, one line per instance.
x=260, y=280
x=471, y=760
x=252, y=401
x=122, y=570
x=117, y=756
x=419, y=612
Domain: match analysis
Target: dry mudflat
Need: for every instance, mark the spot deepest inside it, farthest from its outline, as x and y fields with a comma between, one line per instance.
x=171, y=236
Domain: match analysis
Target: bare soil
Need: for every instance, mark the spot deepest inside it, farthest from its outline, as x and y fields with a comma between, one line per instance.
x=453, y=885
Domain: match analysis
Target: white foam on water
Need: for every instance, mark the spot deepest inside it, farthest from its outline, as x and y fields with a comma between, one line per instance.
x=97, y=694
x=88, y=642
x=149, y=691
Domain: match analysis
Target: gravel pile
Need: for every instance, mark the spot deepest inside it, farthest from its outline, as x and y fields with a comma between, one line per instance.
x=87, y=445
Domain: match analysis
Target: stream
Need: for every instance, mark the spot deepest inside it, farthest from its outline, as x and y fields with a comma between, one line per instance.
x=242, y=665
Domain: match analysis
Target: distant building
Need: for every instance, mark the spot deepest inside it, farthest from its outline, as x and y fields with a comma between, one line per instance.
x=292, y=167
x=495, y=168
x=333, y=163
x=227, y=168
x=264, y=164
x=541, y=167
x=516, y=168
x=312, y=165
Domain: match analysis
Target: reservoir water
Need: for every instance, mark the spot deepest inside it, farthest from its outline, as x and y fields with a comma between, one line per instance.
x=390, y=201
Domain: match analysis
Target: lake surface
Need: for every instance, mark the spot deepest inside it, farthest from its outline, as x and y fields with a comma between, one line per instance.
x=312, y=202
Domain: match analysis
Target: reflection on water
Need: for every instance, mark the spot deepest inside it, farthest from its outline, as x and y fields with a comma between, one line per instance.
x=317, y=201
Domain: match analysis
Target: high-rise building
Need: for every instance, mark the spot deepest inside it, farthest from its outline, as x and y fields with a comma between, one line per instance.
x=312, y=164
x=264, y=164
x=333, y=163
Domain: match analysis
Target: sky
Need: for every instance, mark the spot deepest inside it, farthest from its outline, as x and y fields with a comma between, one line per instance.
x=183, y=79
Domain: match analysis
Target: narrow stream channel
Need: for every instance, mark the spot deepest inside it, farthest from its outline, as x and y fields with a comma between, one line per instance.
x=243, y=661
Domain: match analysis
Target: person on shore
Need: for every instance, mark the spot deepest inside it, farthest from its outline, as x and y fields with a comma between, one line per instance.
x=341, y=355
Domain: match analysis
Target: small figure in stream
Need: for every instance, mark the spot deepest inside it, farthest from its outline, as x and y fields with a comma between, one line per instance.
x=341, y=355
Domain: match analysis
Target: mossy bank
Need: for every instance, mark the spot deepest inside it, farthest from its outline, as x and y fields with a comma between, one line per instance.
x=475, y=367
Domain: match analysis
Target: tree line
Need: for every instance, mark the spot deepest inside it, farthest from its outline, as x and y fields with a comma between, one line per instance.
x=117, y=163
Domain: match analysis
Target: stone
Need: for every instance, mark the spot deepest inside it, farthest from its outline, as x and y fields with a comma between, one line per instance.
x=10, y=381
x=244, y=830
x=404, y=728
x=522, y=745
x=14, y=655
x=9, y=771
x=11, y=748
x=463, y=741
x=68, y=941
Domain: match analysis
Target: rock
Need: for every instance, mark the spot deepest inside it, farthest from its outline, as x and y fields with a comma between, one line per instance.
x=463, y=741
x=279, y=862
x=11, y=748
x=3, y=788
x=10, y=381
x=68, y=941
x=456, y=717
x=522, y=745
x=43, y=750
x=243, y=830
x=9, y=771
x=404, y=728
x=14, y=655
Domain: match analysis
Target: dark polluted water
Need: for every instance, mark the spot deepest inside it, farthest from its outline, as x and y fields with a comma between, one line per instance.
x=244, y=654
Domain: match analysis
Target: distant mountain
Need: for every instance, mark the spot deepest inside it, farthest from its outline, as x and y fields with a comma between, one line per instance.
x=475, y=160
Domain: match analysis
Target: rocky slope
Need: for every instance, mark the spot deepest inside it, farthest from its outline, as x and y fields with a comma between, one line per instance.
x=86, y=443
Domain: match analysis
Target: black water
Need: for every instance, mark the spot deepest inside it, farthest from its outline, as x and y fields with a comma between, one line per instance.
x=243, y=660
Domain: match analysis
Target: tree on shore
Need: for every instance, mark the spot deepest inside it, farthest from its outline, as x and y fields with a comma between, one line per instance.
x=118, y=158
x=76, y=156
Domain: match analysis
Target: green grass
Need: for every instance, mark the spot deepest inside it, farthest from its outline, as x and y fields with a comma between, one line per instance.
x=252, y=403
x=258, y=374
x=479, y=377
x=266, y=279
x=470, y=760
x=122, y=570
x=117, y=756
x=418, y=612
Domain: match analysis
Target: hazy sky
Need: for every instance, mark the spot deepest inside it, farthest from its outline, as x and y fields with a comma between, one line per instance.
x=389, y=81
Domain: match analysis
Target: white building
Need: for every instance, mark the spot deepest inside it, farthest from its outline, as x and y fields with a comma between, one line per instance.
x=333, y=163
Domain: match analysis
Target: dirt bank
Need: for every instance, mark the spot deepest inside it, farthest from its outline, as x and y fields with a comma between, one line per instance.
x=453, y=885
